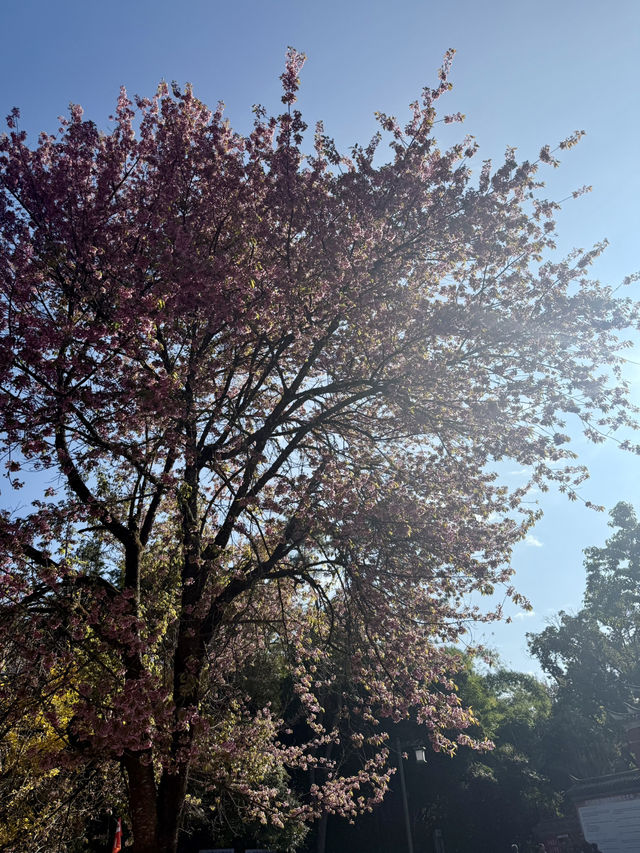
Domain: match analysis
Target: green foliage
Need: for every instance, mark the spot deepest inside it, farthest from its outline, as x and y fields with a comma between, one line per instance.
x=480, y=801
x=593, y=657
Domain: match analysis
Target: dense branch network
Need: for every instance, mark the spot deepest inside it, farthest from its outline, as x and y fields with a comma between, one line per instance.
x=267, y=391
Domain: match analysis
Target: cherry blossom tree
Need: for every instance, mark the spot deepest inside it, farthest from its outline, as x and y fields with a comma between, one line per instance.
x=265, y=391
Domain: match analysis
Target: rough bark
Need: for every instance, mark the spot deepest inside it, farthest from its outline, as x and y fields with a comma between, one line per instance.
x=143, y=805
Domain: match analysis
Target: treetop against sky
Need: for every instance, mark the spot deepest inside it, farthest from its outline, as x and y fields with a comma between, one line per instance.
x=256, y=370
x=270, y=381
x=521, y=79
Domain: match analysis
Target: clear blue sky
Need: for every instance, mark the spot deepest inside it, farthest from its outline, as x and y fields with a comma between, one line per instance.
x=525, y=74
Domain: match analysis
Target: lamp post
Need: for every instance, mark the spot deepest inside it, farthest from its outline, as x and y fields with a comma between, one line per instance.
x=420, y=758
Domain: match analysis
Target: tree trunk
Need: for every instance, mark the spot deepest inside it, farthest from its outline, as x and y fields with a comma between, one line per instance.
x=155, y=810
x=171, y=796
x=142, y=804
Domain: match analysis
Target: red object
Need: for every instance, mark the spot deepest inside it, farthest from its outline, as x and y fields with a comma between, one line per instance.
x=117, y=841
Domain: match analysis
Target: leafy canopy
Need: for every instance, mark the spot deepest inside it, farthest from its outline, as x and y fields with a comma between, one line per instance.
x=265, y=389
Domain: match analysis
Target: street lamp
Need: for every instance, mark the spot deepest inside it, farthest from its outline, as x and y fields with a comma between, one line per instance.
x=421, y=758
